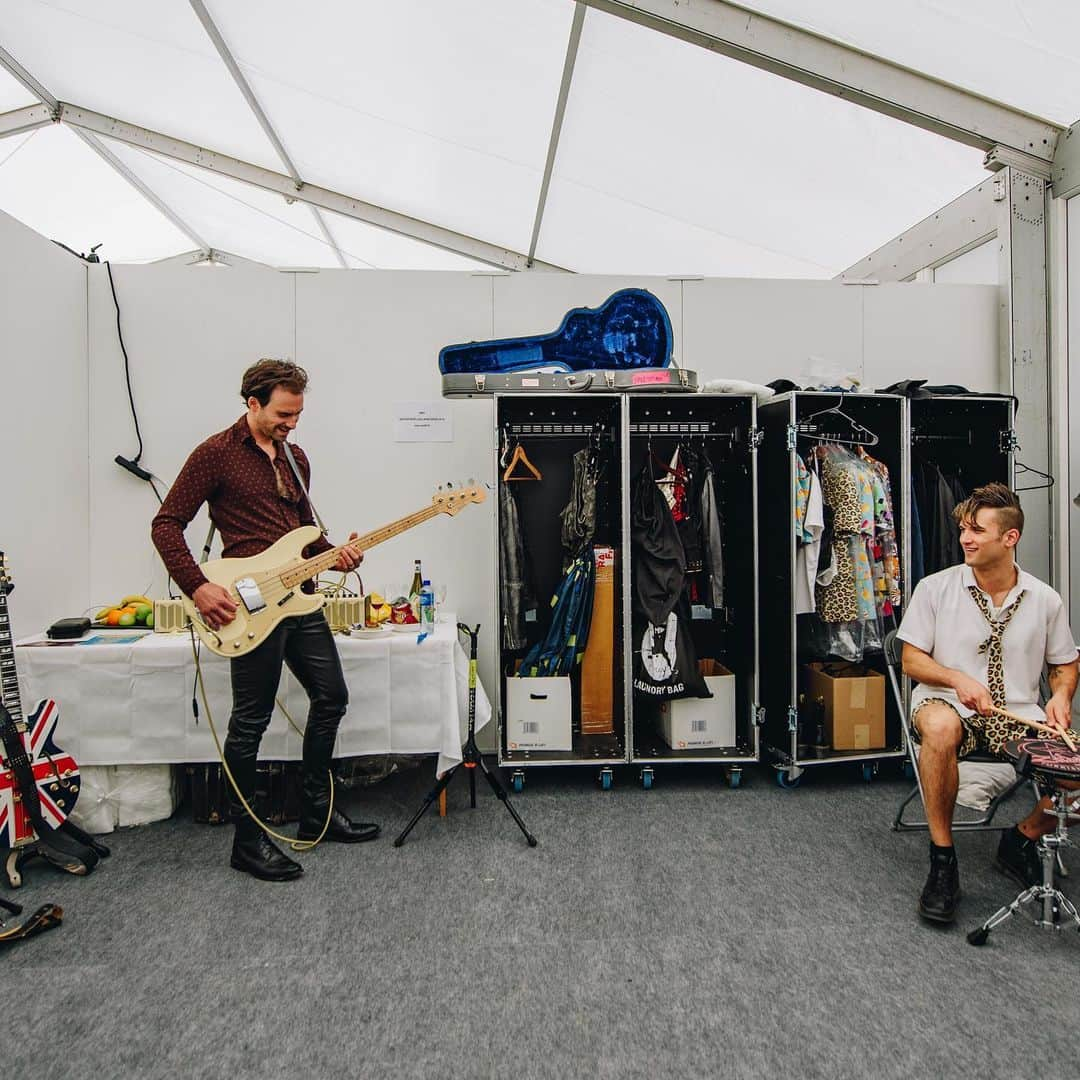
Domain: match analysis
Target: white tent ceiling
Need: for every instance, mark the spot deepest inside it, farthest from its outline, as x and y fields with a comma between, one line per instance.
x=672, y=159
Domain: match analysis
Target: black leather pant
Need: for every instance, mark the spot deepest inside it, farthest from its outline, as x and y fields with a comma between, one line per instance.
x=306, y=645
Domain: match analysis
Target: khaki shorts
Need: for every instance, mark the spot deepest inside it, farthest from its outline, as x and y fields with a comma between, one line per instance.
x=985, y=734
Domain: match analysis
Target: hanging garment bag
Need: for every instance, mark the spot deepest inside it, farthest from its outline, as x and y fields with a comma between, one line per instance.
x=665, y=661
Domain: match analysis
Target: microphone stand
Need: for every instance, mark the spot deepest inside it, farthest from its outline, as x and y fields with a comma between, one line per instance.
x=471, y=760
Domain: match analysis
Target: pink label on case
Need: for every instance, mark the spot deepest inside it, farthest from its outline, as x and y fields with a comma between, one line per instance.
x=643, y=378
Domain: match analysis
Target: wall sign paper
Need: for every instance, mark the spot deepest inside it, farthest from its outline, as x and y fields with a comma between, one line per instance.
x=423, y=421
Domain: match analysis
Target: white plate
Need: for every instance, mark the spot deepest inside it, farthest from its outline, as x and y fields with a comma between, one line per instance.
x=369, y=631
x=406, y=628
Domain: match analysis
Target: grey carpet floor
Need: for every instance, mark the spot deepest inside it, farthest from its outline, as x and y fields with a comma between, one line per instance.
x=686, y=931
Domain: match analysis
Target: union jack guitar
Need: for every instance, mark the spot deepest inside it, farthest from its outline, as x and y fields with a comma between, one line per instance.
x=39, y=783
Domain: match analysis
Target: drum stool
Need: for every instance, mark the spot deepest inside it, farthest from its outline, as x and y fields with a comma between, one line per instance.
x=1046, y=761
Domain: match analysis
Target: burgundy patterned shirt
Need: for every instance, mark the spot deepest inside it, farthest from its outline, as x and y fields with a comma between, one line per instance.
x=253, y=502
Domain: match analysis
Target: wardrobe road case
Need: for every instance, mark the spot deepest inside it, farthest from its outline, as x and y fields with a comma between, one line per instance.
x=792, y=423
x=971, y=438
x=724, y=729
x=541, y=721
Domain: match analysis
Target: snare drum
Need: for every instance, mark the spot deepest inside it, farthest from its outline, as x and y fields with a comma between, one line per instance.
x=1048, y=760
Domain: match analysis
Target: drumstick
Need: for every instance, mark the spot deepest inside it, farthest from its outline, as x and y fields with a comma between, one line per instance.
x=1039, y=727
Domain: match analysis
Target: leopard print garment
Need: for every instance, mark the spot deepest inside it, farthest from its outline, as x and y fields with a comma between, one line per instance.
x=988, y=732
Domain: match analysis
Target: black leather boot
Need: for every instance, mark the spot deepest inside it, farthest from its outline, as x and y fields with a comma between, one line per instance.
x=1019, y=857
x=252, y=850
x=255, y=854
x=314, y=804
x=941, y=892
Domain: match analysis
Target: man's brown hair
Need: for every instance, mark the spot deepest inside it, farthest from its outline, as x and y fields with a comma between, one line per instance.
x=260, y=379
x=997, y=497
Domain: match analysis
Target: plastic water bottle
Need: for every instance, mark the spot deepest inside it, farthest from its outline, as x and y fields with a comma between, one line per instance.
x=427, y=608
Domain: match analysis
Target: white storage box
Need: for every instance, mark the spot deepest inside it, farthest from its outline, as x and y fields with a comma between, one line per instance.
x=538, y=714
x=701, y=723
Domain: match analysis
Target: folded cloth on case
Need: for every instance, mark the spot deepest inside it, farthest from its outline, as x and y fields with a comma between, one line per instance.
x=737, y=386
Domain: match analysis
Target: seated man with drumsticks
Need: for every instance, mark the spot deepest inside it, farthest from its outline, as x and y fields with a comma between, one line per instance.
x=976, y=637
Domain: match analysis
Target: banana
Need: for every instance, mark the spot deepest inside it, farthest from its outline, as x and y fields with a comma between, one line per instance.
x=135, y=598
x=102, y=613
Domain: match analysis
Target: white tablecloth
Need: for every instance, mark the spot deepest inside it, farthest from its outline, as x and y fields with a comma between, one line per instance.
x=130, y=703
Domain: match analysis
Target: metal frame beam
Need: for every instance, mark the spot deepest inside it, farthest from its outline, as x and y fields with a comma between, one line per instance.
x=1065, y=170
x=260, y=115
x=843, y=71
x=965, y=223
x=1023, y=345
x=52, y=105
x=28, y=119
x=556, y=126
x=281, y=184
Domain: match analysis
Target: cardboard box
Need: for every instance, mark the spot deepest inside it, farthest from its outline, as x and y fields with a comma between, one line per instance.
x=854, y=699
x=538, y=713
x=598, y=663
x=702, y=723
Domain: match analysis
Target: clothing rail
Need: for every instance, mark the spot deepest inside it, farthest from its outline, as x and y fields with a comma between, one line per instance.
x=680, y=427
x=816, y=431
x=554, y=428
x=920, y=437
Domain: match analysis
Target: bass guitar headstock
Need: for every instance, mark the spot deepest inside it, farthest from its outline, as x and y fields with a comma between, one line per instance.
x=6, y=584
x=454, y=499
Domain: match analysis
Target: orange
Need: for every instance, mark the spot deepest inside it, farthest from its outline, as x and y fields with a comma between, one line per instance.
x=113, y=617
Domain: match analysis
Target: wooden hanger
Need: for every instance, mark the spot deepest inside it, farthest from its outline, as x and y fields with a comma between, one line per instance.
x=519, y=456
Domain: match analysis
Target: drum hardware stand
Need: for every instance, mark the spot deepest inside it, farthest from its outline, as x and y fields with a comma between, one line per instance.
x=1055, y=904
x=471, y=760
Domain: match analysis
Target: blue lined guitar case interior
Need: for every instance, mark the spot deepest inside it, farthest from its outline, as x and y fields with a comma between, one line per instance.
x=631, y=329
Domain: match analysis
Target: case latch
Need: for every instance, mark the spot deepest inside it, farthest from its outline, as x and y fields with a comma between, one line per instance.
x=479, y=380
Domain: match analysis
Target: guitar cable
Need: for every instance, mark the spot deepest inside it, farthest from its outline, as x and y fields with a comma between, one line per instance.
x=293, y=843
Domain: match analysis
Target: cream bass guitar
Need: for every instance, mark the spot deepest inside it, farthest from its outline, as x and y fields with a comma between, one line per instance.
x=266, y=588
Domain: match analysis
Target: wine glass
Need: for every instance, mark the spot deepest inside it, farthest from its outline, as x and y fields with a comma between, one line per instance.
x=440, y=602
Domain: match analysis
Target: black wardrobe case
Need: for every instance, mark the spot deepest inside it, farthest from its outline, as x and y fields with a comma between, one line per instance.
x=784, y=646
x=551, y=427
x=973, y=437
x=726, y=424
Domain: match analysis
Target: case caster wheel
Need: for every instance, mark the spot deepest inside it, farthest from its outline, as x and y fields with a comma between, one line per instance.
x=647, y=777
x=606, y=777
x=517, y=781
x=734, y=778
x=869, y=770
x=786, y=779
x=978, y=936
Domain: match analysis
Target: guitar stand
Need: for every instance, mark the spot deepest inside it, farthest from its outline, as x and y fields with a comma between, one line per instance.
x=1054, y=905
x=471, y=760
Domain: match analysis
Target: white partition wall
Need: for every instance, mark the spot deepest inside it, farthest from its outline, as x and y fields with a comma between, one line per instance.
x=44, y=515
x=370, y=340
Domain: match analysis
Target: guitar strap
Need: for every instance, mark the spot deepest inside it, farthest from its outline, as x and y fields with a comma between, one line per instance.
x=62, y=847
x=303, y=487
x=45, y=918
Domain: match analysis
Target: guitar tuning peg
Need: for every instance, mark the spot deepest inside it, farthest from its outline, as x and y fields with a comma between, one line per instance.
x=449, y=485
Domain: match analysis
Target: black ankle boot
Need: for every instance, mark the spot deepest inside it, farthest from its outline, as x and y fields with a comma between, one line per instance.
x=255, y=854
x=942, y=889
x=341, y=829
x=1018, y=856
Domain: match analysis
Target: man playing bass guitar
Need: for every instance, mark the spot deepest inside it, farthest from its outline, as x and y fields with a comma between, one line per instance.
x=254, y=499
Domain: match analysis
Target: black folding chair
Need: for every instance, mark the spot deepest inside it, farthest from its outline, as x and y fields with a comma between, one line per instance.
x=983, y=823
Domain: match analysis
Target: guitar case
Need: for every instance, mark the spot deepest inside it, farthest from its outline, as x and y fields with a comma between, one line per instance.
x=481, y=384
x=66, y=847
x=631, y=329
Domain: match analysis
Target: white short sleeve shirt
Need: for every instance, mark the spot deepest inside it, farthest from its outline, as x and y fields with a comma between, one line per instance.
x=944, y=621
